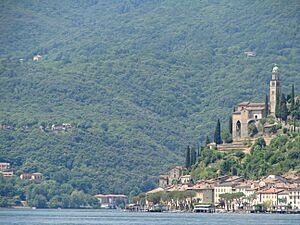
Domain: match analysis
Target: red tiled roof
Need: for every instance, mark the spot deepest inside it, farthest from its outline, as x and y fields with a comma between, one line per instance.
x=271, y=191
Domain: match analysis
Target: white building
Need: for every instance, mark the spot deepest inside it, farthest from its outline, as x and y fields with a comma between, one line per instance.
x=37, y=58
x=294, y=198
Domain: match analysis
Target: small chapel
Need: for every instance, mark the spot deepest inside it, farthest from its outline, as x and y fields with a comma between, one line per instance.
x=247, y=112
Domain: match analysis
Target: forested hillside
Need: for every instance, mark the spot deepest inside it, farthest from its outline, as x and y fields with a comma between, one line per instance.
x=138, y=80
x=280, y=157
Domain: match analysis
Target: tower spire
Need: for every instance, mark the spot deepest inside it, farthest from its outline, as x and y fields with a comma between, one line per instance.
x=275, y=89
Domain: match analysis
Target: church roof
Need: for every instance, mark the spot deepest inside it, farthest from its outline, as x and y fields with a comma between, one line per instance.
x=251, y=104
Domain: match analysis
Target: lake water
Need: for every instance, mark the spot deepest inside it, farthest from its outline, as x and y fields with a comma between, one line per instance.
x=113, y=217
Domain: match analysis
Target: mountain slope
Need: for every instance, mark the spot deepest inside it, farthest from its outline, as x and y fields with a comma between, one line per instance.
x=137, y=79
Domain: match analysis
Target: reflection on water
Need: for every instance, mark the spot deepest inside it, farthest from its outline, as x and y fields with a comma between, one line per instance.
x=107, y=217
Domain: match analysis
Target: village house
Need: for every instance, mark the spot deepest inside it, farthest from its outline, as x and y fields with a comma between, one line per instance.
x=37, y=58
x=7, y=173
x=283, y=200
x=64, y=127
x=268, y=196
x=292, y=178
x=4, y=166
x=204, y=191
x=227, y=185
x=186, y=179
x=222, y=188
x=273, y=181
x=6, y=127
x=31, y=176
x=275, y=192
x=250, y=54
x=171, y=176
x=163, y=181
x=246, y=189
x=294, y=198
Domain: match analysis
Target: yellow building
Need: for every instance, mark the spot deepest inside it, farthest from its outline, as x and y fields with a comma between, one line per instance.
x=269, y=195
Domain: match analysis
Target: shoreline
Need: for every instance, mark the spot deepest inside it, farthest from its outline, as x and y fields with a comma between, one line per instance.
x=140, y=211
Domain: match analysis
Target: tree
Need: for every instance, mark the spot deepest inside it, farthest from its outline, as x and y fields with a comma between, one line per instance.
x=226, y=136
x=207, y=141
x=293, y=99
x=238, y=197
x=227, y=198
x=230, y=125
x=283, y=108
x=277, y=107
x=217, y=136
x=188, y=157
x=266, y=112
x=193, y=156
x=252, y=129
x=39, y=201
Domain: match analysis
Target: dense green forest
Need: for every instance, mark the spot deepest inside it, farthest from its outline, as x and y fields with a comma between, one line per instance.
x=280, y=157
x=138, y=80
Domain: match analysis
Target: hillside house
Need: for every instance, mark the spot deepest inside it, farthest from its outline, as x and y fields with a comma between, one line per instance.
x=7, y=173
x=4, y=166
x=31, y=176
x=186, y=179
x=250, y=54
x=171, y=176
x=62, y=127
x=37, y=58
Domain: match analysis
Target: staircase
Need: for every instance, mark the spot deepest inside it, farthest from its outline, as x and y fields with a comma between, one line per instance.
x=240, y=146
x=234, y=147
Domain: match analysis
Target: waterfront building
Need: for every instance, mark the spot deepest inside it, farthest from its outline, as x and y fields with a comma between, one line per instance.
x=204, y=191
x=111, y=200
x=294, y=198
x=269, y=196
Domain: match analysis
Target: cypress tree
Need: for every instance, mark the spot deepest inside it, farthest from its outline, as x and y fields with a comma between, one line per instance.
x=278, y=107
x=188, y=157
x=266, y=106
x=193, y=156
x=293, y=99
x=283, y=108
x=207, y=141
x=217, y=136
x=230, y=125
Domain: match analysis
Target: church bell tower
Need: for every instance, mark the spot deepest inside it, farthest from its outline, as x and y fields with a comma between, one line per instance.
x=275, y=89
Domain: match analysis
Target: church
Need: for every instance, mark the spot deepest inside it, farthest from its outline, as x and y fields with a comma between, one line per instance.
x=247, y=112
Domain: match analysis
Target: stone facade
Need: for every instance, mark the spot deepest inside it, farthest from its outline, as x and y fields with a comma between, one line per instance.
x=275, y=89
x=247, y=112
x=170, y=177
